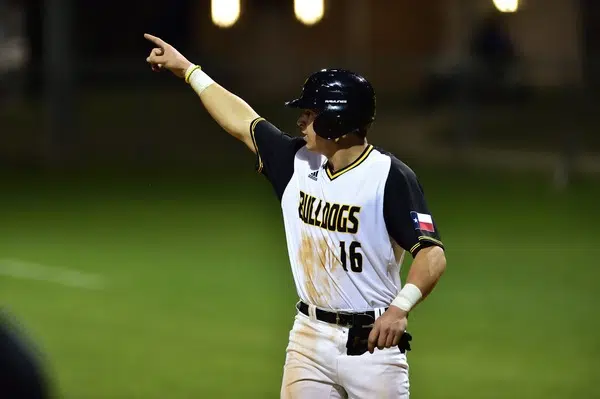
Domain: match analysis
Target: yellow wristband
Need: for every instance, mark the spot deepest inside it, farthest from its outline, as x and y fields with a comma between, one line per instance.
x=191, y=69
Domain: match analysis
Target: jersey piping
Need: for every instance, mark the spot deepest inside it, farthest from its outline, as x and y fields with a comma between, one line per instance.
x=358, y=161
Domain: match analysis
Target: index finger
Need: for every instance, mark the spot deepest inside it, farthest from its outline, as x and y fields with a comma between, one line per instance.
x=156, y=40
x=373, y=337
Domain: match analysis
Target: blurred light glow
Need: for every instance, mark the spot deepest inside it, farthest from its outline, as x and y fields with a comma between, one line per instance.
x=225, y=13
x=507, y=5
x=309, y=12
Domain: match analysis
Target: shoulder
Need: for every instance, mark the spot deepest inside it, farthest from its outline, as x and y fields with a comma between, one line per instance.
x=263, y=130
x=398, y=170
x=272, y=146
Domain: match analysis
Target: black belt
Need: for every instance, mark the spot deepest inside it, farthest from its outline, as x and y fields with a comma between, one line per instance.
x=340, y=318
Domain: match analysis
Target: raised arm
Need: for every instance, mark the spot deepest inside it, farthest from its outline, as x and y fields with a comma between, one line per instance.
x=232, y=113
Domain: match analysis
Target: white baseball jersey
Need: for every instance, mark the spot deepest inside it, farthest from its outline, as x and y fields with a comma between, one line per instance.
x=347, y=231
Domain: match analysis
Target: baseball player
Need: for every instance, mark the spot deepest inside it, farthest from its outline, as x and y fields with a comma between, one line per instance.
x=350, y=211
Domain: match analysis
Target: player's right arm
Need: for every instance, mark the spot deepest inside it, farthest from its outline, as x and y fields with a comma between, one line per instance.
x=274, y=150
x=231, y=112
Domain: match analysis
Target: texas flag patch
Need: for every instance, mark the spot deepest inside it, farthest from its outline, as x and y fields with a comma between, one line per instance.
x=422, y=221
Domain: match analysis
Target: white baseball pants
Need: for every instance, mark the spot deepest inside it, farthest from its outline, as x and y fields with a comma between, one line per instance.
x=317, y=366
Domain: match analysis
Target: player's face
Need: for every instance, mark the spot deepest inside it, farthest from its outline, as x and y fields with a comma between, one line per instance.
x=305, y=123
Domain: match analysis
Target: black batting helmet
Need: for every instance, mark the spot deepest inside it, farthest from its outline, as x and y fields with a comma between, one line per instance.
x=344, y=100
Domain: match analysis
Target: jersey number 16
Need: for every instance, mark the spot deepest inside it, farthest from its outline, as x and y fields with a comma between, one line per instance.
x=356, y=259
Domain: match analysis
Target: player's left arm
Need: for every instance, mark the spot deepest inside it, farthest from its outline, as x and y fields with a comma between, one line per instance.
x=410, y=225
x=425, y=271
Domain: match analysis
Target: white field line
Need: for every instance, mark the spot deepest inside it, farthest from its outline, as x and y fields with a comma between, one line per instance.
x=17, y=268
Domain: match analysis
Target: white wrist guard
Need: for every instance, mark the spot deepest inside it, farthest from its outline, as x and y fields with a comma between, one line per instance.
x=197, y=78
x=408, y=297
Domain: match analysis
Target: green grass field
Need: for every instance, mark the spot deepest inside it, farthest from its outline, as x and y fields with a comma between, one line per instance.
x=198, y=299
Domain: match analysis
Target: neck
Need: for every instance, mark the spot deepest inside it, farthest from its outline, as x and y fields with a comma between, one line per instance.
x=344, y=156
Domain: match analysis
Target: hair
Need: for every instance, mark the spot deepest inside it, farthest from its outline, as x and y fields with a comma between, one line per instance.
x=362, y=131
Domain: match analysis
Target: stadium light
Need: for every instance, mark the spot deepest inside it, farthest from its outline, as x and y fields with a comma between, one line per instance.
x=507, y=5
x=225, y=13
x=309, y=12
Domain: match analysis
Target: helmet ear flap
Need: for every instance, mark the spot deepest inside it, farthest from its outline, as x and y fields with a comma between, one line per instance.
x=329, y=125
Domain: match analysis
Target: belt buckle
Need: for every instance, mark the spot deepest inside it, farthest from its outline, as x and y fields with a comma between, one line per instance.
x=337, y=318
x=371, y=319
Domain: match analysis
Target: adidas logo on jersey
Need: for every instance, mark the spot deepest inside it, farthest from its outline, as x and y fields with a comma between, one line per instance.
x=314, y=175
